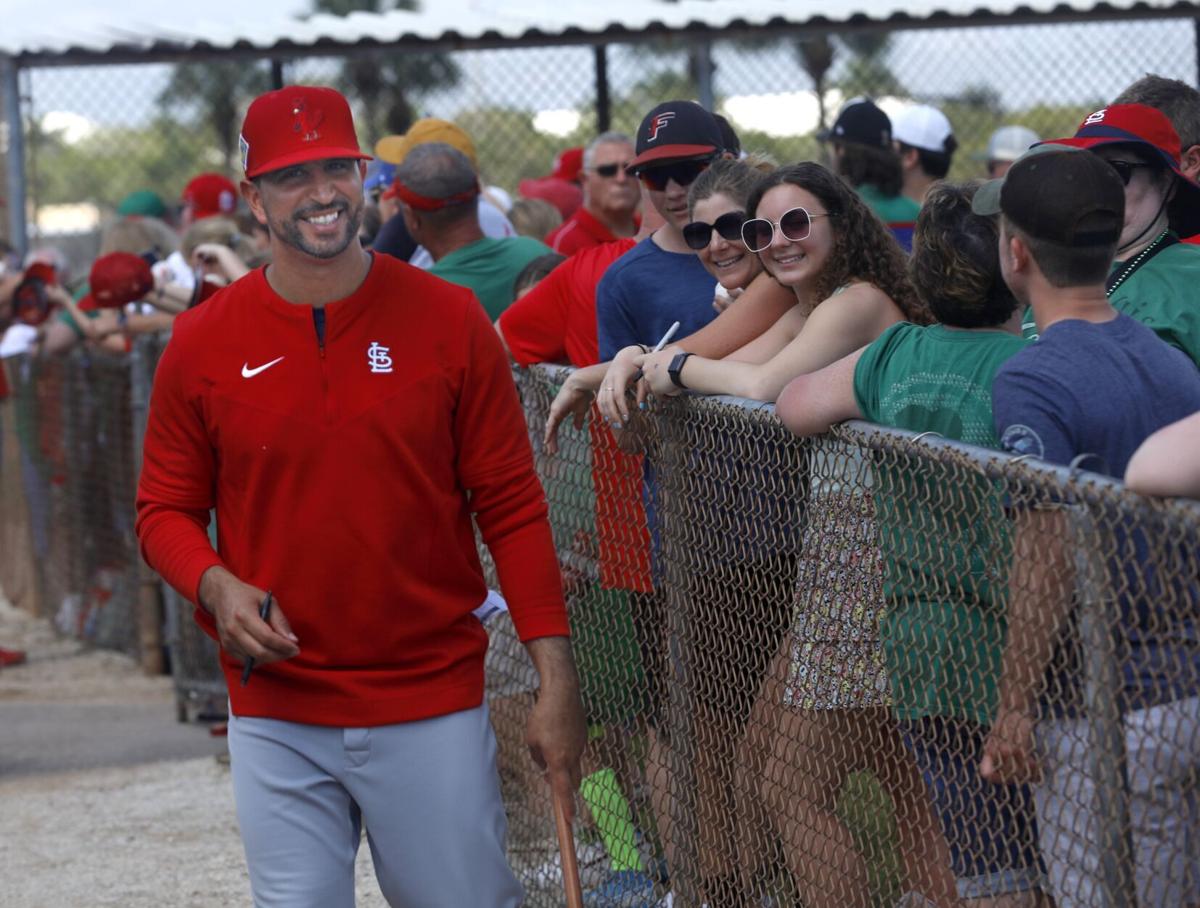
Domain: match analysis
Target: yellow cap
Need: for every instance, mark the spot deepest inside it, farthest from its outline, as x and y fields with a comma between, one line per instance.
x=394, y=149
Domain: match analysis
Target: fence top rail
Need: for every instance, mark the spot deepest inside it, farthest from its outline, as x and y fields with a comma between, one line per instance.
x=463, y=24
x=1076, y=482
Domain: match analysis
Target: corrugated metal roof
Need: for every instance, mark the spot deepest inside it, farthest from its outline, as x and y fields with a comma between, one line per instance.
x=475, y=22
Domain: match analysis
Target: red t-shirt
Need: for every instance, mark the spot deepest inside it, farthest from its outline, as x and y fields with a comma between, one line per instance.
x=340, y=476
x=555, y=322
x=582, y=230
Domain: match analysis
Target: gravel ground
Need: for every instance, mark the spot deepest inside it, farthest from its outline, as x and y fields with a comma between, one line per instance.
x=154, y=834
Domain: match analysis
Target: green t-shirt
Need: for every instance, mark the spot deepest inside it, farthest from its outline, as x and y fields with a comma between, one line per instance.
x=892, y=209
x=490, y=267
x=944, y=535
x=65, y=317
x=1161, y=295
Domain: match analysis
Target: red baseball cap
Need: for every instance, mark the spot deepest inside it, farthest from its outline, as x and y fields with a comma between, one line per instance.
x=568, y=164
x=1149, y=129
x=117, y=279
x=564, y=195
x=297, y=124
x=210, y=194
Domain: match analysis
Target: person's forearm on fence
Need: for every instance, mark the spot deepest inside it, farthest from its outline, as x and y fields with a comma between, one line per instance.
x=830, y=332
x=573, y=399
x=758, y=308
x=811, y=404
x=1163, y=464
x=1041, y=583
x=137, y=323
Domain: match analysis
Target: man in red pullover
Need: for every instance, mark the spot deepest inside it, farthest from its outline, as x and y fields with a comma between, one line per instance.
x=346, y=415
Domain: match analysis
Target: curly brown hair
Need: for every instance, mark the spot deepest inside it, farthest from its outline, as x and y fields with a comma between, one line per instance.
x=955, y=266
x=864, y=249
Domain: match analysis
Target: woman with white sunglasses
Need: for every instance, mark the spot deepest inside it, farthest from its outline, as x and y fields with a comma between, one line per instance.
x=814, y=235
x=822, y=714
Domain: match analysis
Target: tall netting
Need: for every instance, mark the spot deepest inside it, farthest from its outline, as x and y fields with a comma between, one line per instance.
x=94, y=134
x=792, y=654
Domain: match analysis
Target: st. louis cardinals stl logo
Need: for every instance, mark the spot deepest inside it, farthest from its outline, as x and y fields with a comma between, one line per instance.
x=660, y=121
x=306, y=121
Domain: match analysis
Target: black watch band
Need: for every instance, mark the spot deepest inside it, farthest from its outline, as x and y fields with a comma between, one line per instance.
x=676, y=367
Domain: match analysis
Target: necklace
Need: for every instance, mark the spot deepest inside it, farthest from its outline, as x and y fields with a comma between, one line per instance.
x=1136, y=262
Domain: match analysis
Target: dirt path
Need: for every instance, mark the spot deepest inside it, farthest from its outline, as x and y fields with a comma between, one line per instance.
x=149, y=821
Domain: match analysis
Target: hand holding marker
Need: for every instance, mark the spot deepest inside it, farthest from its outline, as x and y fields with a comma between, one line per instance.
x=264, y=612
x=666, y=339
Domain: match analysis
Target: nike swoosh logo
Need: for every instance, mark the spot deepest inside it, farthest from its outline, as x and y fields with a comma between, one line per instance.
x=247, y=372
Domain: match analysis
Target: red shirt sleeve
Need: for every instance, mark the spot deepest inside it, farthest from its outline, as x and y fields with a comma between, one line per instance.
x=495, y=464
x=535, y=326
x=176, y=489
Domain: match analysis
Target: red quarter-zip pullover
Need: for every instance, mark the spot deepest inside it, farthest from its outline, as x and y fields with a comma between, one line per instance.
x=344, y=476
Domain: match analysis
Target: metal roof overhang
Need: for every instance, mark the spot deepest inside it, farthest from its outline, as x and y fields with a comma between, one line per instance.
x=469, y=24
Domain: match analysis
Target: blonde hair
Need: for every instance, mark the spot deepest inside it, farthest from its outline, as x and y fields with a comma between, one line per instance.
x=139, y=236
x=219, y=230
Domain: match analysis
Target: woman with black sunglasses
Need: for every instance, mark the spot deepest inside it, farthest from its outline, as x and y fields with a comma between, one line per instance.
x=717, y=204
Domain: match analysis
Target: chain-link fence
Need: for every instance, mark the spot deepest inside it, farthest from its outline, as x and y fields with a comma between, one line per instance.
x=96, y=133
x=791, y=652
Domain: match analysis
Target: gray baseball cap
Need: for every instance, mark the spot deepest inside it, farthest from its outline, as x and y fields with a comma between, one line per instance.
x=1010, y=142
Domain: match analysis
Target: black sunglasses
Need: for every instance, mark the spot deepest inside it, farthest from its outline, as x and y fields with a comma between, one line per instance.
x=1125, y=169
x=683, y=173
x=608, y=171
x=698, y=234
x=795, y=225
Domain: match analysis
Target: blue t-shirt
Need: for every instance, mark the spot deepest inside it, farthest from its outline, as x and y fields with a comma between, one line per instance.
x=646, y=290
x=1100, y=389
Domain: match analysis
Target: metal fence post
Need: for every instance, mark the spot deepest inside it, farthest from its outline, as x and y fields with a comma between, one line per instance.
x=149, y=610
x=15, y=154
x=603, y=101
x=670, y=503
x=1101, y=688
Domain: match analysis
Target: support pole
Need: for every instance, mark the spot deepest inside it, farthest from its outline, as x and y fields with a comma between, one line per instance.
x=603, y=101
x=15, y=156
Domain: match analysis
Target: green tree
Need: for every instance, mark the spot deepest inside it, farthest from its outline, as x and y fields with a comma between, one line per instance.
x=387, y=83
x=217, y=90
x=816, y=56
x=867, y=72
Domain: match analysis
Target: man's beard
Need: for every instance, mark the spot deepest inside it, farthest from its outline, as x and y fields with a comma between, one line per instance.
x=291, y=233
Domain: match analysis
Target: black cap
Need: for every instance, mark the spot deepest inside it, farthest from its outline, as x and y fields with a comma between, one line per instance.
x=1066, y=198
x=729, y=139
x=861, y=122
x=676, y=130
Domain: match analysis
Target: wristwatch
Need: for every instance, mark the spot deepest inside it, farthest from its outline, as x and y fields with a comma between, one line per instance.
x=676, y=367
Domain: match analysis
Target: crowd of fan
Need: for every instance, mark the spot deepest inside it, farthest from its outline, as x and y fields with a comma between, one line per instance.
x=1050, y=312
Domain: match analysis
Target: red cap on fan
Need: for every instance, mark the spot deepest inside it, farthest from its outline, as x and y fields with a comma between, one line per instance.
x=117, y=279
x=294, y=125
x=210, y=194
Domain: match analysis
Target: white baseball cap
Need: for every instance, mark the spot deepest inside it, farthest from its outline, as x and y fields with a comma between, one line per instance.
x=1010, y=142
x=924, y=127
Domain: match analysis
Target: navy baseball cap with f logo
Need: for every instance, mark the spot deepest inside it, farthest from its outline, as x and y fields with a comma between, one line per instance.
x=676, y=131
